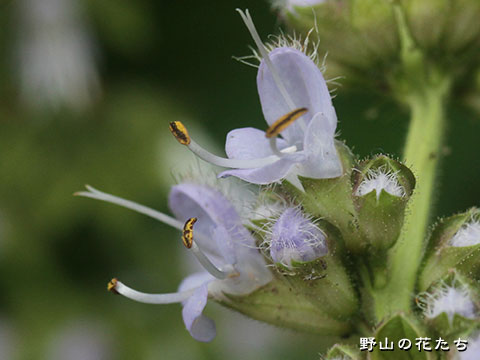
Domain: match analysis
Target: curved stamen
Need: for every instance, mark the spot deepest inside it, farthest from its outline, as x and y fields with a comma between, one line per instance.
x=274, y=148
x=180, y=132
x=281, y=124
x=187, y=239
x=93, y=193
x=99, y=195
x=117, y=287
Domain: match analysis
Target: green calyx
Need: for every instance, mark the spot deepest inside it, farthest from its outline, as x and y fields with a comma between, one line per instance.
x=281, y=304
x=380, y=212
x=394, y=329
x=442, y=256
x=460, y=298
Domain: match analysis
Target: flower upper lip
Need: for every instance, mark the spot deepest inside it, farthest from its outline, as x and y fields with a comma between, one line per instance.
x=312, y=135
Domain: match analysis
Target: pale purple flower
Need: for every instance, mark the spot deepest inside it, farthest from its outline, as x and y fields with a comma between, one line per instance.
x=226, y=250
x=295, y=237
x=287, y=80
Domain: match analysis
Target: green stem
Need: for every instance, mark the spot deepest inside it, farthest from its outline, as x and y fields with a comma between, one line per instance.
x=424, y=90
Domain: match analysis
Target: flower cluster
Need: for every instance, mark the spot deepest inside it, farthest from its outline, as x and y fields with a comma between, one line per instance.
x=310, y=254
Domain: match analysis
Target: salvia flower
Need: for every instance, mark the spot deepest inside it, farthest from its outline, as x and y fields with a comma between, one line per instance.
x=451, y=300
x=294, y=237
x=468, y=235
x=296, y=103
x=379, y=180
x=219, y=241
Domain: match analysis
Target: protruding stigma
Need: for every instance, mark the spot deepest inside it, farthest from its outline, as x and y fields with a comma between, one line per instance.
x=187, y=234
x=286, y=120
x=180, y=132
x=111, y=286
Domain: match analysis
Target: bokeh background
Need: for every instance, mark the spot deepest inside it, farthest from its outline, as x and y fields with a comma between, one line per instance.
x=87, y=89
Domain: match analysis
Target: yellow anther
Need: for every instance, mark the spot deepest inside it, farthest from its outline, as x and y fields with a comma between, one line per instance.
x=187, y=234
x=112, y=285
x=278, y=126
x=180, y=132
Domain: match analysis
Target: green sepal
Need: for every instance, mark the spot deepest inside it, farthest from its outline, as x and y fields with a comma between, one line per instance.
x=441, y=258
x=344, y=352
x=325, y=283
x=380, y=220
x=380, y=217
x=280, y=304
x=394, y=329
x=331, y=199
x=451, y=329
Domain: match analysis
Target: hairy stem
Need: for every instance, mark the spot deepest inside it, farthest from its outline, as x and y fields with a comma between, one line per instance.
x=424, y=89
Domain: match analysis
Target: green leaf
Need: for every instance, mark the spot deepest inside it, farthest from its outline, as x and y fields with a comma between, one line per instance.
x=396, y=328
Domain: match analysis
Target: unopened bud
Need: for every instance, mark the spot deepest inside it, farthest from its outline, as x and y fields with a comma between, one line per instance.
x=382, y=187
x=453, y=245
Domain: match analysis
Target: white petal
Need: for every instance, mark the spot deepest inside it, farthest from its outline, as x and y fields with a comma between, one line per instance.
x=249, y=143
x=322, y=157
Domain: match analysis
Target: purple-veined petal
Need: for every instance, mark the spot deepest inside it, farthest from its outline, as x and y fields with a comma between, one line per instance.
x=304, y=83
x=267, y=174
x=322, y=160
x=200, y=327
x=249, y=143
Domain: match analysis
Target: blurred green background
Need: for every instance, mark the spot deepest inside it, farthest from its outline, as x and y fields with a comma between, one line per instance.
x=147, y=63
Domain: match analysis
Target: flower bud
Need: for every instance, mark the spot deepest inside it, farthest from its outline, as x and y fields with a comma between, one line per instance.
x=358, y=35
x=295, y=239
x=331, y=199
x=444, y=26
x=382, y=187
x=450, y=306
x=453, y=245
x=306, y=254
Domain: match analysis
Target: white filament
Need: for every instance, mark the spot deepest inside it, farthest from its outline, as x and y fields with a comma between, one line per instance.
x=238, y=163
x=152, y=298
x=208, y=265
